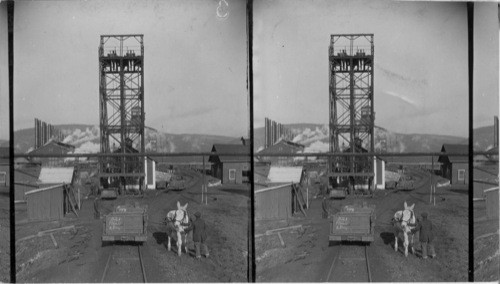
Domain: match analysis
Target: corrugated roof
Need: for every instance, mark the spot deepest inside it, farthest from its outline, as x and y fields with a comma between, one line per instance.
x=275, y=148
x=244, y=150
x=56, y=175
x=285, y=174
x=454, y=148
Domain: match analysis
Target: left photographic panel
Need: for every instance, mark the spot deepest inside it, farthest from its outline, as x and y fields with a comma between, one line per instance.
x=131, y=127
x=4, y=148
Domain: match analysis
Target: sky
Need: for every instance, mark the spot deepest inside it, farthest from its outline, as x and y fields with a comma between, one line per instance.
x=195, y=70
x=486, y=62
x=4, y=74
x=420, y=74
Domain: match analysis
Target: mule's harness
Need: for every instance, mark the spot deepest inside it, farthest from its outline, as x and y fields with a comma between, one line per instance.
x=407, y=221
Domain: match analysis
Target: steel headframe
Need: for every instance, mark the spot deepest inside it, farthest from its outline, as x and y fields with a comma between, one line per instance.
x=121, y=107
x=352, y=115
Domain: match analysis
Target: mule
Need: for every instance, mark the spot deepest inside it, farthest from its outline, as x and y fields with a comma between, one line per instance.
x=404, y=222
x=177, y=222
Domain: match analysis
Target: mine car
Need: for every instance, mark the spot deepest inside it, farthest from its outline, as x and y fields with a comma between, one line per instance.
x=126, y=223
x=353, y=223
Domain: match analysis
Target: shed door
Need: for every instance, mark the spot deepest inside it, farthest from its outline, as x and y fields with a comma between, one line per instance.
x=232, y=174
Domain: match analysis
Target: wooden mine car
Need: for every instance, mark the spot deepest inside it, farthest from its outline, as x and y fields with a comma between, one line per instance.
x=177, y=183
x=126, y=223
x=353, y=223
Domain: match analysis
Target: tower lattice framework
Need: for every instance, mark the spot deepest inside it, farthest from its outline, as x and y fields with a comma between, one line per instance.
x=351, y=114
x=121, y=108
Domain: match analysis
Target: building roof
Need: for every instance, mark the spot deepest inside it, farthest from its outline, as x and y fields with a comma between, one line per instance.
x=51, y=142
x=275, y=147
x=243, y=150
x=56, y=175
x=455, y=149
x=285, y=174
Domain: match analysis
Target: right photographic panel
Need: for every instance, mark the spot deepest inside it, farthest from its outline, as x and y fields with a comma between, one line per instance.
x=485, y=139
x=361, y=139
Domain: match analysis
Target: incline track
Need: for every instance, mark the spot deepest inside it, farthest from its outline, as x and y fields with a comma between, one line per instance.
x=351, y=264
x=124, y=258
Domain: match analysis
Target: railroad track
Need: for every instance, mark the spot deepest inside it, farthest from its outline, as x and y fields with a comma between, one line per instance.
x=123, y=265
x=351, y=264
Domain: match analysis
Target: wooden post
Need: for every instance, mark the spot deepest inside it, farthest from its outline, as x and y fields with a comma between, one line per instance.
x=433, y=186
x=432, y=169
x=203, y=187
x=307, y=197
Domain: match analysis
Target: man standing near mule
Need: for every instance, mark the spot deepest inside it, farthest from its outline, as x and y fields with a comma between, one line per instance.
x=426, y=237
x=199, y=235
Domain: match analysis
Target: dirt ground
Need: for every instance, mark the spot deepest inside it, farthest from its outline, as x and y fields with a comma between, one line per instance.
x=486, y=242
x=4, y=235
x=307, y=255
x=80, y=255
x=486, y=252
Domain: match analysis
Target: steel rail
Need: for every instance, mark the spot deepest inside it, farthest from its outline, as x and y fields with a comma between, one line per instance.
x=337, y=257
x=333, y=264
x=368, y=264
x=140, y=258
x=142, y=264
x=106, y=267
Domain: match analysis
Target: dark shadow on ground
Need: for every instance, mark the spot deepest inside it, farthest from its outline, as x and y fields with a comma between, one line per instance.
x=160, y=237
x=119, y=243
x=462, y=191
x=243, y=192
x=348, y=243
x=387, y=237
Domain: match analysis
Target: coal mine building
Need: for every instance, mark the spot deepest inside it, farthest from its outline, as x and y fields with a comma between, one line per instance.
x=231, y=168
x=453, y=167
x=55, y=148
x=362, y=164
x=282, y=147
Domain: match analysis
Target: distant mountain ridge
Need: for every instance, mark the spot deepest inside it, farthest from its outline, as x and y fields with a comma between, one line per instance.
x=316, y=136
x=86, y=139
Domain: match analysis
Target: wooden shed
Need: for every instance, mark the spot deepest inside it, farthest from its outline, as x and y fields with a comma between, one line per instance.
x=273, y=203
x=231, y=168
x=25, y=179
x=455, y=168
x=492, y=210
x=46, y=204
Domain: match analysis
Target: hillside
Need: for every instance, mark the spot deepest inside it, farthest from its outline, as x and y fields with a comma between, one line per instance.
x=483, y=138
x=315, y=138
x=86, y=139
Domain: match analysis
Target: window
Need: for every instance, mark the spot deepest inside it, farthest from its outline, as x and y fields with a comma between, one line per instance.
x=232, y=174
x=3, y=178
x=461, y=174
